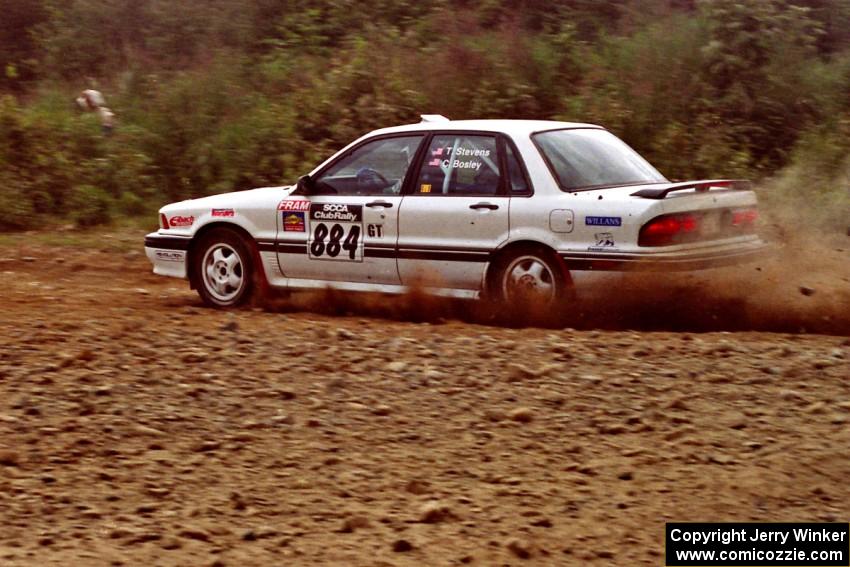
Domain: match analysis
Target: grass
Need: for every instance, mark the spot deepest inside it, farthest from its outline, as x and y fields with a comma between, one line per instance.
x=123, y=235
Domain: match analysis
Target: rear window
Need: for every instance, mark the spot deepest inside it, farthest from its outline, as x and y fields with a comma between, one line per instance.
x=585, y=158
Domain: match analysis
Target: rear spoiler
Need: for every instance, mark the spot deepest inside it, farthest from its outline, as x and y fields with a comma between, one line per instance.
x=699, y=186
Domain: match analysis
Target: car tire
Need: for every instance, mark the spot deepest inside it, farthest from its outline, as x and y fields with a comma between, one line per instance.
x=532, y=282
x=223, y=269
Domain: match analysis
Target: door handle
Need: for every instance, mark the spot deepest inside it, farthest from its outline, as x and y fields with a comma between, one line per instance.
x=490, y=206
x=374, y=204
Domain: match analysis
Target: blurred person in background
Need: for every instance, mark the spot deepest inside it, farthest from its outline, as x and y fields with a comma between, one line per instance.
x=91, y=100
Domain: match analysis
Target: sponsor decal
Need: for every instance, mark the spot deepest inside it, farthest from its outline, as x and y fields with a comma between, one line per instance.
x=425, y=188
x=222, y=212
x=603, y=221
x=170, y=255
x=293, y=221
x=604, y=242
x=336, y=212
x=294, y=205
x=604, y=239
x=179, y=221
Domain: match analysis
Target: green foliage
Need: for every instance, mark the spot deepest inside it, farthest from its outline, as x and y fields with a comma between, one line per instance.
x=231, y=94
x=90, y=205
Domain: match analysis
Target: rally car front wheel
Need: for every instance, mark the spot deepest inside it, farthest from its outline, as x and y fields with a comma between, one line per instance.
x=222, y=269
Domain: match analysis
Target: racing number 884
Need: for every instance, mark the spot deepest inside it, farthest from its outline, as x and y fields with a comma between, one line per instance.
x=331, y=241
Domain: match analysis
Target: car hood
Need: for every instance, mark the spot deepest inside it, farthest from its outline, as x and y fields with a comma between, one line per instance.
x=230, y=200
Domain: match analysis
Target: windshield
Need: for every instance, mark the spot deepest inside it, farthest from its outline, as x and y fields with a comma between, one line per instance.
x=586, y=158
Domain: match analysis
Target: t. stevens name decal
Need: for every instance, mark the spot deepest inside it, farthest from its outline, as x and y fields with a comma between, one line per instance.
x=603, y=221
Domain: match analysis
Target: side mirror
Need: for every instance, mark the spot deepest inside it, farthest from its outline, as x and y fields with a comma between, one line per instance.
x=305, y=185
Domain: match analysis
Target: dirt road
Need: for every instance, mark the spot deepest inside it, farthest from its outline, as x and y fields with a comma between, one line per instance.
x=138, y=428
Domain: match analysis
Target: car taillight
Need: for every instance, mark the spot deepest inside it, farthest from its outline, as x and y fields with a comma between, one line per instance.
x=703, y=225
x=163, y=222
x=744, y=218
x=669, y=229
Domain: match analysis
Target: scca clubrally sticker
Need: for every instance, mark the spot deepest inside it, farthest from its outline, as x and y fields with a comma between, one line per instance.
x=335, y=232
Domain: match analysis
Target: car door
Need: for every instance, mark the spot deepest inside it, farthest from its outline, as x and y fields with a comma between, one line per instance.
x=346, y=230
x=455, y=214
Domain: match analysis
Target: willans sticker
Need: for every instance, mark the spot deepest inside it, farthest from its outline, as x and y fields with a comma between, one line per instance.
x=603, y=221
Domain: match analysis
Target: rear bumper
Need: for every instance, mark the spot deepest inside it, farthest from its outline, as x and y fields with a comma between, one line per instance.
x=167, y=254
x=680, y=260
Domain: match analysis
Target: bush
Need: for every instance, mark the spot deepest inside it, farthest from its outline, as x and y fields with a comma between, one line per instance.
x=90, y=206
x=257, y=93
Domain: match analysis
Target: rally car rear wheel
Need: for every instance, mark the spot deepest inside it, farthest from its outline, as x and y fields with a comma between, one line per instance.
x=531, y=278
x=223, y=269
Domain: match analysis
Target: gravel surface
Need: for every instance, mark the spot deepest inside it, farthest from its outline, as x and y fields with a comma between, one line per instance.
x=139, y=428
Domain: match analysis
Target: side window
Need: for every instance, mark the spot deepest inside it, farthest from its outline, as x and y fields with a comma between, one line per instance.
x=375, y=168
x=519, y=184
x=460, y=165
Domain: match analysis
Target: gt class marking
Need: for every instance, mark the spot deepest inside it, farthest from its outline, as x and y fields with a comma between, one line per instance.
x=375, y=230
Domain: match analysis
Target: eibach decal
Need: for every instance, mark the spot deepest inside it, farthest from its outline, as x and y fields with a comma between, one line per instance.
x=181, y=221
x=223, y=212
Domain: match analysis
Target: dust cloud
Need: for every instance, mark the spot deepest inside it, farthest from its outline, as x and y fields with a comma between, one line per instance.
x=801, y=286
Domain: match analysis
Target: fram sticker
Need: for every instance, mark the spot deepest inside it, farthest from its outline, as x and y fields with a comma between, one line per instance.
x=222, y=212
x=179, y=221
x=603, y=221
x=294, y=205
x=293, y=221
x=425, y=188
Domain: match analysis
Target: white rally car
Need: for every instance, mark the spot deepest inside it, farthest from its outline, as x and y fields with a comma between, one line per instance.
x=496, y=208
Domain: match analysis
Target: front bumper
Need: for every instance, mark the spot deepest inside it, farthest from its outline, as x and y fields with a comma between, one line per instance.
x=168, y=254
x=668, y=261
